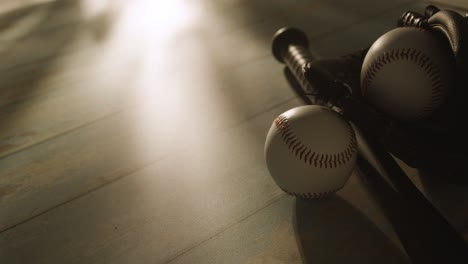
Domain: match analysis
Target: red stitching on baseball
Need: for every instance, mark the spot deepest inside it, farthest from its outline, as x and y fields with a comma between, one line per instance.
x=310, y=157
x=434, y=74
x=435, y=78
x=307, y=155
x=291, y=144
x=341, y=157
x=415, y=56
x=298, y=150
x=301, y=154
x=312, y=160
x=288, y=136
x=321, y=161
x=316, y=164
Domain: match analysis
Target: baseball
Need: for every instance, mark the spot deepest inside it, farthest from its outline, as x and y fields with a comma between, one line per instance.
x=310, y=151
x=407, y=73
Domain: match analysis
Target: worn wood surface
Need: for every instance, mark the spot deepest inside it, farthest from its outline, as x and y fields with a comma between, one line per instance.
x=133, y=131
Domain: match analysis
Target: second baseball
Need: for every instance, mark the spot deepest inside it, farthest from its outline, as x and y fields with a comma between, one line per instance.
x=310, y=151
x=407, y=73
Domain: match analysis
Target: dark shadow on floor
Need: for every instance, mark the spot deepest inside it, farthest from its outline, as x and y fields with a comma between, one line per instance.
x=451, y=199
x=29, y=55
x=34, y=43
x=333, y=231
x=34, y=38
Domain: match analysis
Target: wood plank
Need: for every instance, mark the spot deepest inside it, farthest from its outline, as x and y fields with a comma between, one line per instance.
x=361, y=34
x=154, y=214
x=79, y=97
x=92, y=80
x=296, y=231
x=8, y=6
x=317, y=19
x=79, y=103
x=63, y=36
x=185, y=98
x=128, y=140
x=323, y=18
x=221, y=18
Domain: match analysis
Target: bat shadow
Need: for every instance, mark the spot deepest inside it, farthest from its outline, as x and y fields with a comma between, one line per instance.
x=333, y=231
x=451, y=199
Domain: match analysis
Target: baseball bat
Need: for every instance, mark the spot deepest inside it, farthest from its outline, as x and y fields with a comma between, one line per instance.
x=425, y=234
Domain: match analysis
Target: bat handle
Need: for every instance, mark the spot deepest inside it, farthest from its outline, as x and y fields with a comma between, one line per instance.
x=315, y=85
x=412, y=19
x=291, y=47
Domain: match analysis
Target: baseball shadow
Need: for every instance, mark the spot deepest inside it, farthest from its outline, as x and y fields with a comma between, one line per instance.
x=333, y=231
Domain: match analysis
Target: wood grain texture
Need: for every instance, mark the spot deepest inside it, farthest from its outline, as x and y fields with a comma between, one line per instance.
x=129, y=135
x=297, y=231
x=157, y=212
x=86, y=155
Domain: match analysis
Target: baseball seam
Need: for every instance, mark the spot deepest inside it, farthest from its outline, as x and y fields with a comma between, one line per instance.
x=306, y=154
x=416, y=56
x=316, y=195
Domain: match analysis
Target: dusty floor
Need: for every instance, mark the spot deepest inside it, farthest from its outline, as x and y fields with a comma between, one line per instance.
x=133, y=132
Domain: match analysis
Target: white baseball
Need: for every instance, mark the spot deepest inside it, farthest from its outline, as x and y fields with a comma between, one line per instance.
x=310, y=151
x=407, y=73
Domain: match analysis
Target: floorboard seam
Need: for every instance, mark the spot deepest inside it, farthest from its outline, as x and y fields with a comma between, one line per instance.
x=361, y=21
x=63, y=133
x=216, y=234
x=130, y=171
x=85, y=193
x=333, y=31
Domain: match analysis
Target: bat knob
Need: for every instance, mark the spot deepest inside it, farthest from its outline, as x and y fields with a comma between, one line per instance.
x=285, y=37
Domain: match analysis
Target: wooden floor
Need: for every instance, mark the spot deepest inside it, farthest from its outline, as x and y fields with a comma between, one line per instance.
x=132, y=131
